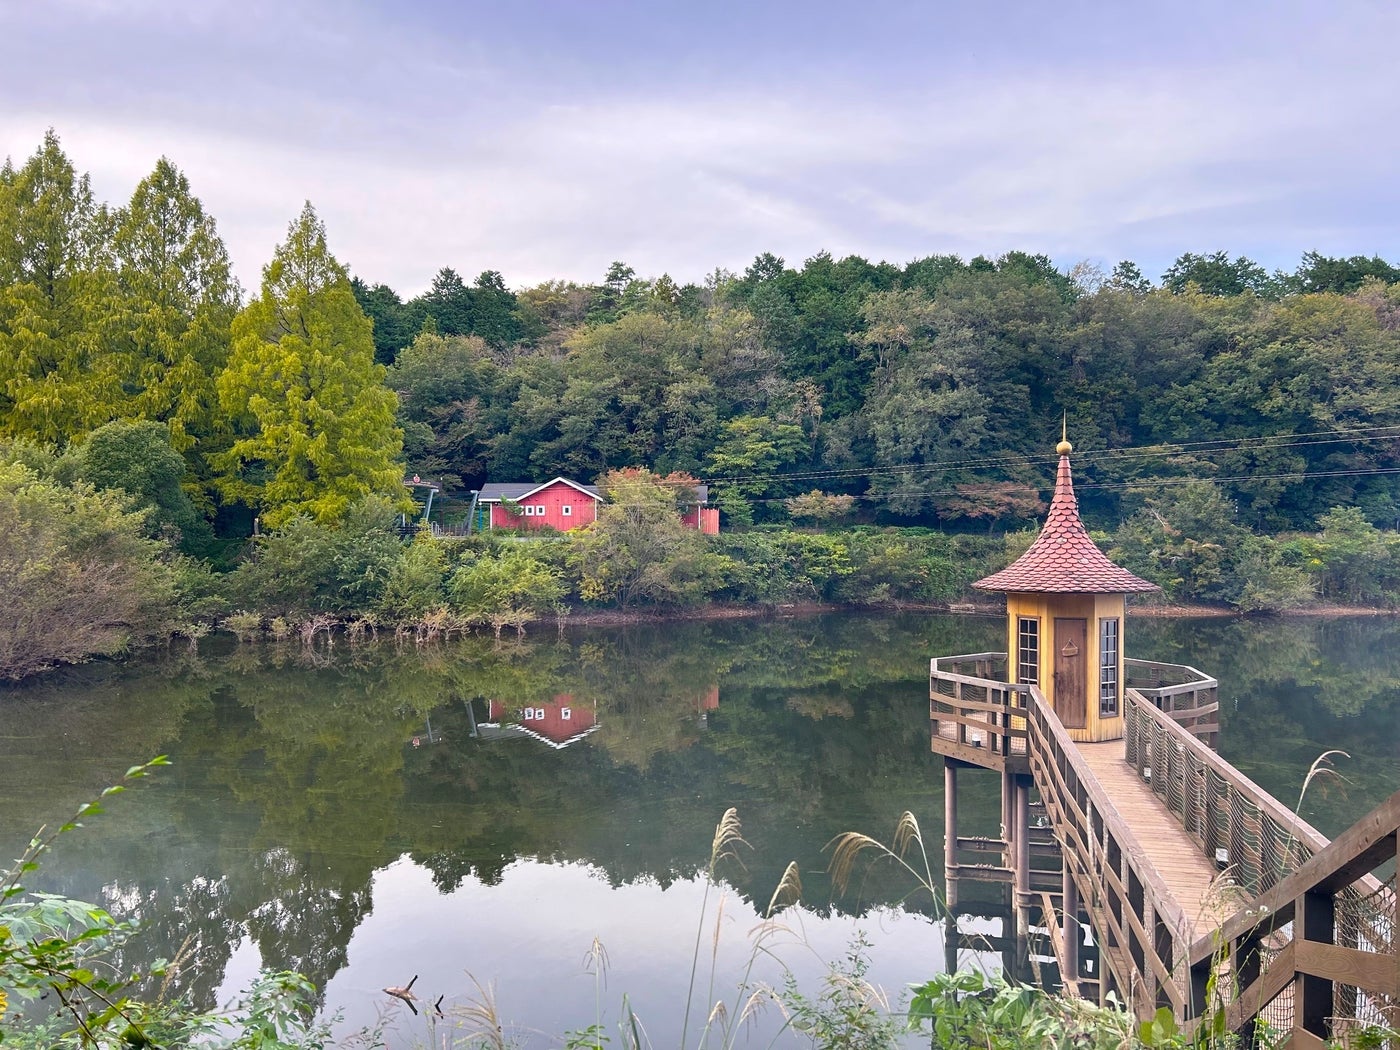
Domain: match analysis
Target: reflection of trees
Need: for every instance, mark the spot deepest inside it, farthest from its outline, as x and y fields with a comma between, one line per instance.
x=294, y=781
x=1291, y=689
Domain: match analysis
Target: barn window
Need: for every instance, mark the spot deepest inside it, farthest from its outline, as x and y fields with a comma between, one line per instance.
x=566, y=713
x=529, y=511
x=539, y=510
x=567, y=510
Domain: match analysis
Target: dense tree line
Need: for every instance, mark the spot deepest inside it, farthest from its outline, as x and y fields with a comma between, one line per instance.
x=1217, y=412
x=931, y=393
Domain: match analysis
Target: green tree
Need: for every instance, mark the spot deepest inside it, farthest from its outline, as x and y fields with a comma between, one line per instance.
x=508, y=589
x=1319, y=273
x=393, y=320
x=414, y=587
x=56, y=381
x=638, y=550
x=752, y=450
x=308, y=566
x=1215, y=274
x=494, y=311
x=175, y=300
x=1352, y=560
x=449, y=302
x=1127, y=277
x=78, y=577
x=314, y=422
x=447, y=387
x=139, y=459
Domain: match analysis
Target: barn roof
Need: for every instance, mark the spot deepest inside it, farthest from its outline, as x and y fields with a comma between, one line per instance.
x=1063, y=559
x=518, y=490
x=495, y=491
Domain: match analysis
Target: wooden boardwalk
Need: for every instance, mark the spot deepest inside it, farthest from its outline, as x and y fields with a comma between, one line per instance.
x=1175, y=855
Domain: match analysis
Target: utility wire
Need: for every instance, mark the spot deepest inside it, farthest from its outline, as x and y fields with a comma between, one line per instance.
x=1145, y=483
x=1182, y=449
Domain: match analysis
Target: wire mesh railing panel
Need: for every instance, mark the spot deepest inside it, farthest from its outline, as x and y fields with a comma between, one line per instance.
x=1367, y=921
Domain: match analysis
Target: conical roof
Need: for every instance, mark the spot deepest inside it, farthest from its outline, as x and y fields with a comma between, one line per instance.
x=1063, y=559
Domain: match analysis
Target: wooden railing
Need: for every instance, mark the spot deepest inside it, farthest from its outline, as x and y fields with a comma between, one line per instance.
x=1259, y=844
x=974, y=716
x=1317, y=955
x=1143, y=933
x=1234, y=821
x=1189, y=697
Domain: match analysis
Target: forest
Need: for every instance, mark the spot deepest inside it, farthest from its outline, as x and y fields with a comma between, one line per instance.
x=179, y=453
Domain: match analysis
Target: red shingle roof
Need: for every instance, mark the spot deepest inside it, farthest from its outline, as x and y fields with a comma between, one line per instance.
x=1063, y=559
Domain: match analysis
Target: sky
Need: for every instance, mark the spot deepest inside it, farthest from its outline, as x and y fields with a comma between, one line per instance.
x=547, y=139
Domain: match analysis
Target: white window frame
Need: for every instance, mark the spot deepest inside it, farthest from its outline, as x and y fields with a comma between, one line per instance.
x=567, y=510
x=566, y=713
x=539, y=510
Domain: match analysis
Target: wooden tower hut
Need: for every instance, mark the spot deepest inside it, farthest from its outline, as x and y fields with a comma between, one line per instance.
x=1065, y=604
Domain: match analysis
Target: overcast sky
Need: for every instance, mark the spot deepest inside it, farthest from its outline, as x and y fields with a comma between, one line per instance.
x=548, y=139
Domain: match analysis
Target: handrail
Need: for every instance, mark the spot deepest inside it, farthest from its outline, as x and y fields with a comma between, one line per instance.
x=1188, y=696
x=1144, y=931
x=1339, y=959
x=1232, y=819
x=976, y=718
x=1266, y=849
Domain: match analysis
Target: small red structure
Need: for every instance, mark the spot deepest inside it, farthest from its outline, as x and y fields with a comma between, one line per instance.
x=558, y=723
x=562, y=504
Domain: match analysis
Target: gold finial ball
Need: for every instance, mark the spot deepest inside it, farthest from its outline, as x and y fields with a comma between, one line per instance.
x=1064, y=448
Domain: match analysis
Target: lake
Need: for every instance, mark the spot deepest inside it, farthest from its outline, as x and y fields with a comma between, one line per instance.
x=478, y=812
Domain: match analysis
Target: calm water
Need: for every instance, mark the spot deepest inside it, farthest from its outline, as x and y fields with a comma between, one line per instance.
x=482, y=811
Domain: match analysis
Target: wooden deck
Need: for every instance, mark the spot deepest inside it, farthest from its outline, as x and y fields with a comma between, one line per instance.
x=1175, y=855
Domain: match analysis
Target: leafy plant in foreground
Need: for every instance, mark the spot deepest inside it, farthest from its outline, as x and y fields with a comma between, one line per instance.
x=50, y=945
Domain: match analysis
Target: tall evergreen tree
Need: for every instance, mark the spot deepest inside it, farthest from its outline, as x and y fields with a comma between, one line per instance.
x=55, y=381
x=314, y=421
x=176, y=300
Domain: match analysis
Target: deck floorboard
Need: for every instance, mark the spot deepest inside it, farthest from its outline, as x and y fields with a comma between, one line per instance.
x=1189, y=876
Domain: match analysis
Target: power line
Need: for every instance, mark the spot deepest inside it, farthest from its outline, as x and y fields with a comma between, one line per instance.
x=1181, y=449
x=1144, y=483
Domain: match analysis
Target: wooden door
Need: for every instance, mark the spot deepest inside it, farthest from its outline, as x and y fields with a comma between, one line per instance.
x=1070, y=702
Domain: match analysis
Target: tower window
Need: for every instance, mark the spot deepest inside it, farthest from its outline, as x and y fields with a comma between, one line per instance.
x=1028, y=650
x=1108, y=668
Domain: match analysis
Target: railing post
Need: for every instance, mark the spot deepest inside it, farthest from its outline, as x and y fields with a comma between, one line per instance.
x=1315, y=920
x=1247, y=965
x=1163, y=946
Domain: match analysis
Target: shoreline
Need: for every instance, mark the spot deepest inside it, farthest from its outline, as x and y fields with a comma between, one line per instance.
x=623, y=617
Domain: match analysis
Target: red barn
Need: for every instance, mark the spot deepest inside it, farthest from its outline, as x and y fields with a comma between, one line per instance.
x=563, y=505
x=558, y=723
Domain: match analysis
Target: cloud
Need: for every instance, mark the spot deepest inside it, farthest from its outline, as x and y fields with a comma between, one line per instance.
x=423, y=151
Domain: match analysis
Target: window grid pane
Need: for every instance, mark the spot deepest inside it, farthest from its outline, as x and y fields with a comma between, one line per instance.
x=1108, y=667
x=1028, y=651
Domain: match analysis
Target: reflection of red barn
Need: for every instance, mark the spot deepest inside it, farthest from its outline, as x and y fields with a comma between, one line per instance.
x=563, y=505
x=558, y=723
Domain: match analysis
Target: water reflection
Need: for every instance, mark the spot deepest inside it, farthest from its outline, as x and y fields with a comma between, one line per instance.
x=362, y=813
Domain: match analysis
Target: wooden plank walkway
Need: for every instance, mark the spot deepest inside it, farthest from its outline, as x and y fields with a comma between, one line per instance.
x=1177, y=857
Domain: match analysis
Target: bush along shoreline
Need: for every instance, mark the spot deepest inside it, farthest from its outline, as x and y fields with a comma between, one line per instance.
x=87, y=573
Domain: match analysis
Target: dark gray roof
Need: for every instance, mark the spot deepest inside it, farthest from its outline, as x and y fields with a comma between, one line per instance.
x=499, y=490
x=513, y=490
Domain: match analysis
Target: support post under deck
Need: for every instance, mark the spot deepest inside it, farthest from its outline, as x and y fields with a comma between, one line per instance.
x=950, y=829
x=1069, y=893
x=1022, y=841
